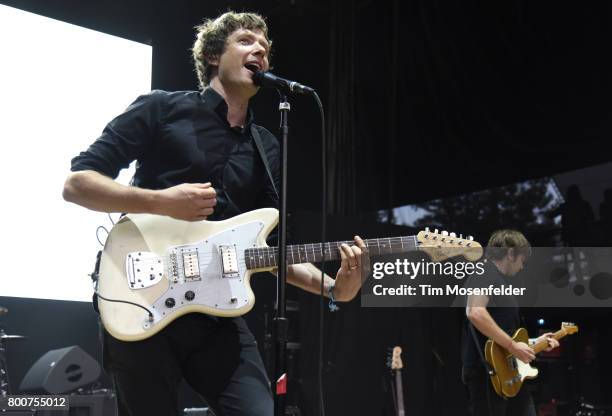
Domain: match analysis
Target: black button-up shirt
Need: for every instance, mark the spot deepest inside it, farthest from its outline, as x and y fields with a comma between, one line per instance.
x=184, y=137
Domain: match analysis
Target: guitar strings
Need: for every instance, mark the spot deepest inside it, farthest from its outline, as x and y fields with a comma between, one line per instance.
x=314, y=248
x=266, y=255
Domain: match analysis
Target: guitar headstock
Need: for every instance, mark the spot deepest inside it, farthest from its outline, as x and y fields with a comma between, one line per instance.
x=443, y=245
x=394, y=361
x=569, y=328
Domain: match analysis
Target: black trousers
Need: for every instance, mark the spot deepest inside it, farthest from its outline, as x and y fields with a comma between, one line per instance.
x=218, y=358
x=485, y=402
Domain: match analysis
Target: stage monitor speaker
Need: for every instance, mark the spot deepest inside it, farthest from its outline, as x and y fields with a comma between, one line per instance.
x=61, y=371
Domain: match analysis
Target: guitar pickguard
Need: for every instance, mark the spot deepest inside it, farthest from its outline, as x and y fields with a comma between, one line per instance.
x=208, y=273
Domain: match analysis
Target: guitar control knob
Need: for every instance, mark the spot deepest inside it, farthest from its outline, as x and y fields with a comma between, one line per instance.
x=170, y=302
x=189, y=295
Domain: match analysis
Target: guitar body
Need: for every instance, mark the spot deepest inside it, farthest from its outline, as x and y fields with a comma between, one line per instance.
x=173, y=267
x=510, y=372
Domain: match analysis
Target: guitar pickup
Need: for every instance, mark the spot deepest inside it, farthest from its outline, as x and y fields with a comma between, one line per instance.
x=191, y=265
x=229, y=261
x=513, y=381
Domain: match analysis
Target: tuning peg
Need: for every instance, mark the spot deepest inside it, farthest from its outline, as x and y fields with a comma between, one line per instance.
x=469, y=237
x=453, y=235
x=445, y=233
x=461, y=236
x=426, y=229
x=436, y=231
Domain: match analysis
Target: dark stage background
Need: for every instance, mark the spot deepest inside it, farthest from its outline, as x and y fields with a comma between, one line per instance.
x=425, y=99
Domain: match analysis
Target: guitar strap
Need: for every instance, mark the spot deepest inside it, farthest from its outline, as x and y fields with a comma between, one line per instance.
x=262, y=155
x=489, y=367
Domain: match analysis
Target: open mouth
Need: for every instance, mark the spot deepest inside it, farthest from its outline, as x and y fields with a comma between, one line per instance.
x=253, y=67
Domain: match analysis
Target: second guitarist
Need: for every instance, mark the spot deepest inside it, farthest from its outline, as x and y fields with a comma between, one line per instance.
x=496, y=317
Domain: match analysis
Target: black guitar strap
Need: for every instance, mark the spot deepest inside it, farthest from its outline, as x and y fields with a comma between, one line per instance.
x=489, y=367
x=262, y=155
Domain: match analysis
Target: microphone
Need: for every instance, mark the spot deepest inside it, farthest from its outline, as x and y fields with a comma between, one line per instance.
x=267, y=79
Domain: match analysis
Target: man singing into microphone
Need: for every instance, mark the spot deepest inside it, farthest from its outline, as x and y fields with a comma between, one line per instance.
x=196, y=161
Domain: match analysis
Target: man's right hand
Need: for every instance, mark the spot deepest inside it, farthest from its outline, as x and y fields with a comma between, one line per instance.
x=522, y=351
x=188, y=201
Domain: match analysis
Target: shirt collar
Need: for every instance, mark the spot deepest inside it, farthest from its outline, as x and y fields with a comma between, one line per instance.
x=214, y=101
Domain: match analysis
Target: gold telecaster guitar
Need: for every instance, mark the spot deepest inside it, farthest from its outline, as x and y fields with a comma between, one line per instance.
x=510, y=372
x=154, y=269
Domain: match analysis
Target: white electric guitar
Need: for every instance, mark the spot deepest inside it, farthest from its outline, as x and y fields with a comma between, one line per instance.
x=154, y=269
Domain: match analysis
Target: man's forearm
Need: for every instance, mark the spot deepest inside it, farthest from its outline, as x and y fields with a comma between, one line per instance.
x=97, y=192
x=308, y=277
x=482, y=320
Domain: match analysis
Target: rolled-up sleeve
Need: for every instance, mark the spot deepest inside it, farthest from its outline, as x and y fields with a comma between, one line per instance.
x=126, y=138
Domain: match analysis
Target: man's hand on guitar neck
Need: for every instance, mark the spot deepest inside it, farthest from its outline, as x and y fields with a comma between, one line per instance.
x=354, y=269
x=552, y=343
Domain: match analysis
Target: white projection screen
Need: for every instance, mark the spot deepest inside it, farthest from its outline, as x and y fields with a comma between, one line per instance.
x=59, y=86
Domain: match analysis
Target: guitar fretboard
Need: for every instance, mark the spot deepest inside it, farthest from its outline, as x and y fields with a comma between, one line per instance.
x=263, y=257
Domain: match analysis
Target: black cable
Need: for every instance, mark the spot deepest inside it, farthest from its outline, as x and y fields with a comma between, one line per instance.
x=323, y=238
x=101, y=227
x=127, y=302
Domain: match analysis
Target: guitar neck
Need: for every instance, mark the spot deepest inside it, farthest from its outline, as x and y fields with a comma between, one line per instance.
x=263, y=257
x=543, y=344
x=400, y=393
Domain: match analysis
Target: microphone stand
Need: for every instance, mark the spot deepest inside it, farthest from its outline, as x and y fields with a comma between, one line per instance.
x=280, y=320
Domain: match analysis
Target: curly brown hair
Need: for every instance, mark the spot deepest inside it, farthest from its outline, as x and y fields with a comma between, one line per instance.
x=212, y=35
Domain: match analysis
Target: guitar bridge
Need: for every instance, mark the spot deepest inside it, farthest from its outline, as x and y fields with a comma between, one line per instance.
x=184, y=264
